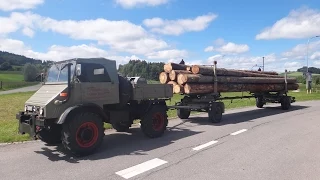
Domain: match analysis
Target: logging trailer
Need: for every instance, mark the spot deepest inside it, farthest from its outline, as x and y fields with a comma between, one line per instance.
x=80, y=95
x=213, y=105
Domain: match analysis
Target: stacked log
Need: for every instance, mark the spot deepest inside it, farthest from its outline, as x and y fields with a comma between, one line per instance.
x=199, y=79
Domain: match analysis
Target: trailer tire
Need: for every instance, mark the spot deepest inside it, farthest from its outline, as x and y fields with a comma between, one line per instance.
x=215, y=112
x=83, y=133
x=183, y=113
x=121, y=127
x=155, y=121
x=51, y=136
x=285, y=102
x=259, y=102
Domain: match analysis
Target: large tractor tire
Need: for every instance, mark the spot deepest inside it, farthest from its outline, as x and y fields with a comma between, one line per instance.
x=83, y=133
x=51, y=136
x=155, y=121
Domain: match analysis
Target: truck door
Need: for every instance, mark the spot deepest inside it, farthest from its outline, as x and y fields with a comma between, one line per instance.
x=97, y=86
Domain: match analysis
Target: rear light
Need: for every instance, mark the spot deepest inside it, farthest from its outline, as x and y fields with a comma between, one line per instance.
x=63, y=94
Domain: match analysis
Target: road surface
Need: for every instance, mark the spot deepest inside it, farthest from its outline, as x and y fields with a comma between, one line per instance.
x=23, y=89
x=249, y=144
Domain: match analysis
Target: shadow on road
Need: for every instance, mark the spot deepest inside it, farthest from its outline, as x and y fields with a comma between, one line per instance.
x=133, y=142
x=245, y=116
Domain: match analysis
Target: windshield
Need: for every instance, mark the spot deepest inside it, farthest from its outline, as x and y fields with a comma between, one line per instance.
x=57, y=74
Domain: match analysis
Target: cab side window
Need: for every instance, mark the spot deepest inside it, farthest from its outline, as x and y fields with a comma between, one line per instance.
x=91, y=72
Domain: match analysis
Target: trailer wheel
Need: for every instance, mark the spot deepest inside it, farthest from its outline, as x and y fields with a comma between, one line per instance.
x=285, y=102
x=183, y=113
x=51, y=136
x=83, y=133
x=155, y=121
x=121, y=127
x=259, y=102
x=215, y=113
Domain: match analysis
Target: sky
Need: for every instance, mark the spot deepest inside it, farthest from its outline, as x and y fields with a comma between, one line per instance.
x=236, y=34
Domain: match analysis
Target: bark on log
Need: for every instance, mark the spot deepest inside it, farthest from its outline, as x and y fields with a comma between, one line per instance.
x=174, y=73
x=164, y=77
x=209, y=88
x=207, y=70
x=262, y=72
x=177, y=89
x=198, y=78
x=173, y=66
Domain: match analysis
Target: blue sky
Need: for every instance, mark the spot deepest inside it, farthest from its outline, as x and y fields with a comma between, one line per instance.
x=235, y=33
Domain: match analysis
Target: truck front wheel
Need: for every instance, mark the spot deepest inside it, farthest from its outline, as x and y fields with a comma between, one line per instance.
x=155, y=121
x=83, y=133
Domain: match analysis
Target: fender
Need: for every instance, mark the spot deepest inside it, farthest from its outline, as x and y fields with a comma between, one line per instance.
x=93, y=107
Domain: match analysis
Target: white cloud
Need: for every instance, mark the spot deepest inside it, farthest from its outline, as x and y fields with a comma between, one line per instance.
x=168, y=55
x=57, y=53
x=300, y=23
x=315, y=56
x=316, y=63
x=179, y=26
x=136, y=3
x=292, y=66
x=122, y=36
x=227, y=48
x=299, y=52
x=241, y=62
x=10, y=5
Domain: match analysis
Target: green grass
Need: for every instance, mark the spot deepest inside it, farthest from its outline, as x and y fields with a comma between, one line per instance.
x=13, y=80
x=12, y=103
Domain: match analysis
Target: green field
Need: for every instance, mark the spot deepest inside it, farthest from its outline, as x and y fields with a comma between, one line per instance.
x=12, y=103
x=12, y=80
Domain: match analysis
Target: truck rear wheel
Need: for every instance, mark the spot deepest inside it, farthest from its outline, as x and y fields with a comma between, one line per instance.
x=155, y=121
x=83, y=133
x=51, y=136
x=215, y=112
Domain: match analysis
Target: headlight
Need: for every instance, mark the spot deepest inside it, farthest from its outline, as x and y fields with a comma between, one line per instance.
x=25, y=108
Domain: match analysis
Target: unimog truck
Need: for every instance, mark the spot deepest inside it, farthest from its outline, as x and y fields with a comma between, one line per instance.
x=80, y=95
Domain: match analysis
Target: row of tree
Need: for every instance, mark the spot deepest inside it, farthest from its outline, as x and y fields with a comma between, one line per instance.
x=313, y=70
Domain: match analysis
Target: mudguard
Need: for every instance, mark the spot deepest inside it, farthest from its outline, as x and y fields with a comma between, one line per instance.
x=90, y=106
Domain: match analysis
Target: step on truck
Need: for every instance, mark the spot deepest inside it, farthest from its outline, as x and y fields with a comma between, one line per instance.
x=80, y=95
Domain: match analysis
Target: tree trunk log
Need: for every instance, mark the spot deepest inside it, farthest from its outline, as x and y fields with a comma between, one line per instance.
x=207, y=70
x=177, y=89
x=174, y=73
x=188, y=68
x=173, y=66
x=164, y=77
x=262, y=72
x=173, y=84
x=198, y=78
x=209, y=88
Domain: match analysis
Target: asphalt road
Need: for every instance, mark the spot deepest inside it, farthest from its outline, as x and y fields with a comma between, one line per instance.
x=23, y=89
x=249, y=144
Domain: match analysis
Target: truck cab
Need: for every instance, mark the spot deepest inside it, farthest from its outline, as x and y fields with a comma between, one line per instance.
x=80, y=95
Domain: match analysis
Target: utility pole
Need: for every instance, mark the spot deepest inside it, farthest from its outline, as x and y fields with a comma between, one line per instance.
x=262, y=63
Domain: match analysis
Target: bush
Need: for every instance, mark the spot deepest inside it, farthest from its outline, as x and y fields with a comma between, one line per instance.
x=301, y=79
x=5, y=66
x=317, y=80
x=30, y=72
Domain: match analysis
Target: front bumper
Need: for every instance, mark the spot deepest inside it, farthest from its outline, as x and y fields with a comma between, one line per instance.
x=29, y=123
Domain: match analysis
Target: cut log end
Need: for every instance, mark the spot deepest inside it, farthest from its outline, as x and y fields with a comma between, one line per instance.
x=177, y=89
x=163, y=77
x=195, y=69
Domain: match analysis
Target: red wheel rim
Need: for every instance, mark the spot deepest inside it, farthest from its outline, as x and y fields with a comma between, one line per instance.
x=158, y=121
x=87, y=134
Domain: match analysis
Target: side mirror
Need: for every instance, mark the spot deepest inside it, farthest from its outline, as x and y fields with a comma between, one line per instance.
x=78, y=69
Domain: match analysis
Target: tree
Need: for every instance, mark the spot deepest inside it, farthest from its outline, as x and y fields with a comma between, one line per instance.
x=30, y=72
x=5, y=66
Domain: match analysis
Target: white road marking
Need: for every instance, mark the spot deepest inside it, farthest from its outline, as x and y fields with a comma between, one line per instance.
x=204, y=145
x=238, y=132
x=140, y=168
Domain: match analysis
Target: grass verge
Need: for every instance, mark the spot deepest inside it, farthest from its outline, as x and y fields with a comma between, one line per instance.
x=12, y=80
x=12, y=103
